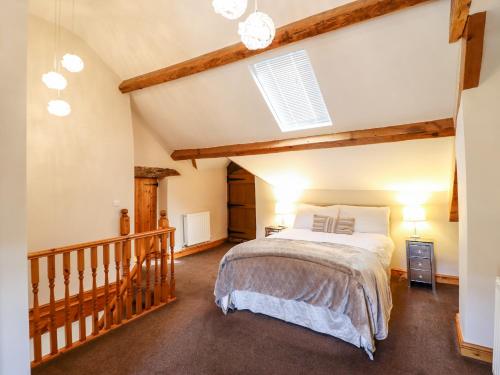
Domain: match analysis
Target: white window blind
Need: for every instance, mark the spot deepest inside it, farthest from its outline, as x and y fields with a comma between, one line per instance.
x=291, y=91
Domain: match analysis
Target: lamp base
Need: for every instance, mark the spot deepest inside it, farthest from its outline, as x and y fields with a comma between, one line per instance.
x=415, y=237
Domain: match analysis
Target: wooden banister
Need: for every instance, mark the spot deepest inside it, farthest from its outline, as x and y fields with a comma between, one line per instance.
x=118, y=302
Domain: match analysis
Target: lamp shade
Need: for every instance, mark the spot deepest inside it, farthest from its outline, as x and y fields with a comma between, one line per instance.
x=414, y=213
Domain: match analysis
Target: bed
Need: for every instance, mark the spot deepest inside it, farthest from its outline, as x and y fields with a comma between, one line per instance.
x=336, y=284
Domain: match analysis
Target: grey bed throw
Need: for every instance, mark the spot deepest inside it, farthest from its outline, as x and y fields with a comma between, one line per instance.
x=346, y=280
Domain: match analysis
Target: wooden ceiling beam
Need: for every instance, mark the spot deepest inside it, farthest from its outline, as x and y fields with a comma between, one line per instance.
x=421, y=130
x=458, y=18
x=454, y=198
x=330, y=20
x=470, y=74
x=472, y=51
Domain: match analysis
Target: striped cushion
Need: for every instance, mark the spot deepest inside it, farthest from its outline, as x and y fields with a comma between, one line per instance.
x=323, y=224
x=344, y=225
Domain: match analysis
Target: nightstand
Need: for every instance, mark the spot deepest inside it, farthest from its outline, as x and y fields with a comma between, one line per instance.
x=274, y=229
x=420, y=261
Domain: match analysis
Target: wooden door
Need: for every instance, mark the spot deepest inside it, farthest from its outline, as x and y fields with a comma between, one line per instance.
x=146, y=193
x=241, y=204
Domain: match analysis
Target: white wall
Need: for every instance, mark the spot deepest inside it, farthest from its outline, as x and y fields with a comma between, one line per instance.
x=195, y=190
x=478, y=157
x=80, y=164
x=14, y=353
x=437, y=226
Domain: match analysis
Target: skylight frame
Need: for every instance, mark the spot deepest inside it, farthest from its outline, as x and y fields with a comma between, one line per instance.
x=312, y=93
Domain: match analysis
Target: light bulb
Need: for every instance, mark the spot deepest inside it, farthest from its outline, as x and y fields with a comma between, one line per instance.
x=54, y=80
x=59, y=108
x=231, y=9
x=257, y=31
x=72, y=63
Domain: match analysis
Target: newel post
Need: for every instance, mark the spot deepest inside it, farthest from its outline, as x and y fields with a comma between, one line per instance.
x=163, y=221
x=124, y=223
x=164, y=287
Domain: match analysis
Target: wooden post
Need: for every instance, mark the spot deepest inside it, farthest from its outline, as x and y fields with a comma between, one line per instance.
x=81, y=299
x=125, y=231
x=126, y=276
x=138, y=277
x=67, y=305
x=164, y=287
x=172, y=275
x=95, y=312
x=147, y=249
x=107, y=311
x=156, y=300
x=118, y=304
x=163, y=221
x=37, y=338
x=51, y=272
x=124, y=223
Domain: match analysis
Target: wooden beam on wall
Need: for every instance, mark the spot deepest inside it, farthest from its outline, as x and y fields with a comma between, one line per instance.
x=152, y=172
x=470, y=74
x=330, y=20
x=454, y=198
x=421, y=130
x=458, y=18
x=472, y=51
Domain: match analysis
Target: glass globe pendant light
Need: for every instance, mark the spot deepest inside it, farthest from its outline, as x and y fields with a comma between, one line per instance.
x=54, y=80
x=231, y=9
x=257, y=31
x=72, y=63
x=59, y=108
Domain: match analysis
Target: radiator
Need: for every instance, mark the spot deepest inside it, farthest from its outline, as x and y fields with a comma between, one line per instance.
x=196, y=228
x=496, y=343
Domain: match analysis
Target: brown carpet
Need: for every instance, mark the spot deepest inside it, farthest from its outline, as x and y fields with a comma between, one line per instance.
x=192, y=336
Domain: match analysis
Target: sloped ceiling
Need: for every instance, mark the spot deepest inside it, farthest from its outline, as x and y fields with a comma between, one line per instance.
x=391, y=70
x=409, y=165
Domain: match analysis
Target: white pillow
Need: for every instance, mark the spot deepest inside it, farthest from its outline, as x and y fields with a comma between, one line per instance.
x=368, y=219
x=305, y=213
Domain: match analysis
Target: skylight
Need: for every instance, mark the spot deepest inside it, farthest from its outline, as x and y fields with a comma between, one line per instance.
x=291, y=91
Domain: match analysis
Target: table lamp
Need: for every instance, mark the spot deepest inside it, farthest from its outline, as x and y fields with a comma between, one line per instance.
x=414, y=214
x=282, y=210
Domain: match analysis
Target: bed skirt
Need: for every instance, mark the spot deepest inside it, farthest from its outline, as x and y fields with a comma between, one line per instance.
x=297, y=312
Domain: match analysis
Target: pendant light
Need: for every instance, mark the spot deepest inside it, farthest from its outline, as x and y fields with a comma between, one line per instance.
x=53, y=79
x=72, y=62
x=231, y=9
x=59, y=108
x=257, y=31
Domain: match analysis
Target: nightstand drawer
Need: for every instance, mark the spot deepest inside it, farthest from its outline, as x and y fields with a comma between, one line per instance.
x=420, y=264
x=421, y=250
x=421, y=276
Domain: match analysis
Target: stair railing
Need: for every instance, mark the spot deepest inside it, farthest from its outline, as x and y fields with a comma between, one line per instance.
x=109, y=298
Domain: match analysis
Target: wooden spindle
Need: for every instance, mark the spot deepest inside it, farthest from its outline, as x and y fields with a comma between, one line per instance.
x=51, y=273
x=107, y=309
x=138, y=277
x=118, y=304
x=148, y=272
x=95, y=311
x=172, y=261
x=156, y=301
x=81, y=298
x=128, y=281
x=67, y=306
x=164, y=287
x=37, y=337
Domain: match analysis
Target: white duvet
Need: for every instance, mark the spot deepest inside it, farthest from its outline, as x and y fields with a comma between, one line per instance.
x=382, y=245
